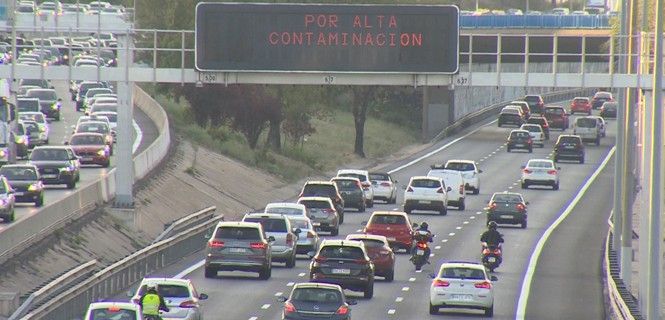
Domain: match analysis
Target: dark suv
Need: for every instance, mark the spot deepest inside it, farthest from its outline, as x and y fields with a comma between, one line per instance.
x=507, y=207
x=345, y=263
x=240, y=246
x=536, y=103
x=569, y=147
x=325, y=189
x=351, y=191
x=508, y=116
x=519, y=139
x=57, y=165
x=543, y=124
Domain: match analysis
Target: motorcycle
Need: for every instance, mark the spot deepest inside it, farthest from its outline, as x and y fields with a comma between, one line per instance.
x=491, y=256
x=421, y=251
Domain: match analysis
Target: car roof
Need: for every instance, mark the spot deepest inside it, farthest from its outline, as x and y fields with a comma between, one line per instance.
x=540, y=160
x=585, y=98
x=27, y=98
x=446, y=171
x=353, y=171
x=159, y=281
x=462, y=161
x=265, y=215
x=319, y=182
x=317, y=285
x=286, y=205
x=368, y=237
x=108, y=304
x=342, y=242
x=518, y=130
x=554, y=107
x=52, y=147
x=507, y=192
x=466, y=264
x=22, y=165
x=519, y=102
x=390, y=213
x=241, y=224
x=315, y=199
x=345, y=178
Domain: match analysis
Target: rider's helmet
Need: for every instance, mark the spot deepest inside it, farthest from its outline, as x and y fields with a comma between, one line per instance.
x=492, y=225
x=424, y=226
x=151, y=289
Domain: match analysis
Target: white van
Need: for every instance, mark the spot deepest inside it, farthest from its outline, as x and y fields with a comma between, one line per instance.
x=588, y=128
x=454, y=180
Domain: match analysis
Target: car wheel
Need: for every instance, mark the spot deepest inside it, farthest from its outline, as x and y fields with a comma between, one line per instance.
x=443, y=211
x=10, y=217
x=523, y=224
x=369, y=290
x=370, y=203
x=525, y=185
x=265, y=273
x=210, y=272
x=390, y=276
x=433, y=309
x=71, y=185
x=555, y=186
x=582, y=160
x=334, y=232
x=476, y=190
x=291, y=262
x=461, y=205
x=362, y=207
x=407, y=210
x=40, y=201
x=489, y=312
x=341, y=218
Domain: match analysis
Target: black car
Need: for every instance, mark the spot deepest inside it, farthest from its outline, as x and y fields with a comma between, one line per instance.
x=24, y=179
x=510, y=117
x=351, y=191
x=519, y=139
x=609, y=109
x=48, y=101
x=569, y=147
x=316, y=301
x=345, y=263
x=507, y=208
x=543, y=124
x=57, y=165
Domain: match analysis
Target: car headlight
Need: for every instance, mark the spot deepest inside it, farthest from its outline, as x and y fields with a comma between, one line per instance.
x=34, y=187
x=20, y=140
x=42, y=128
x=67, y=169
x=101, y=152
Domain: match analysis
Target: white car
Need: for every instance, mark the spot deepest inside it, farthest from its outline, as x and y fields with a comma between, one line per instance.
x=603, y=124
x=113, y=310
x=462, y=285
x=180, y=296
x=588, y=128
x=384, y=186
x=454, y=180
x=540, y=172
x=426, y=193
x=469, y=171
x=40, y=119
x=286, y=208
x=363, y=176
x=536, y=132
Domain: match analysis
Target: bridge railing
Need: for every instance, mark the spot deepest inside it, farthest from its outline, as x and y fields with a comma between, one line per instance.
x=548, y=21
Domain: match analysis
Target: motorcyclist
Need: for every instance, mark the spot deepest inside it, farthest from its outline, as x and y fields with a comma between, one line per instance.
x=422, y=233
x=491, y=236
x=151, y=303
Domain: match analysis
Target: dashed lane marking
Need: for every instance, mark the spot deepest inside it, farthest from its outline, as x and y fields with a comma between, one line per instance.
x=279, y=294
x=399, y=299
x=437, y=247
x=412, y=279
x=472, y=217
x=444, y=240
x=458, y=228
x=465, y=222
x=391, y=311
x=510, y=187
x=431, y=255
x=265, y=306
x=302, y=274
x=451, y=234
x=419, y=271
x=253, y=318
x=290, y=284
x=405, y=288
x=478, y=212
x=359, y=230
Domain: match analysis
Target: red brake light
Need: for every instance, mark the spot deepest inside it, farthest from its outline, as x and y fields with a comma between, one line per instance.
x=289, y=239
x=483, y=285
x=342, y=310
x=440, y=283
x=486, y=251
x=385, y=184
x=520, y=206
x=113, y=309
x=497, y=251
x=188, y=304
x=551, y=171
x=289, y=308
x=422, y=245
x=258, y=245
x=440, y=190
x=310, y=234
x=409, y=189
x=527, y=171
x=320, y=259
x=215, y=244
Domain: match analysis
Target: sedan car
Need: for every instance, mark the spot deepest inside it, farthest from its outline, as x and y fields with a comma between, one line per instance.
x=543, y=124
x=113, y=310
x=393, y=225
x=365, y=181
x=519, y=139
x=469, y=171
x=319, y=300
x=57, y=165
x=385, y=187
x=308, y=239
x=379, y=252
x=462, y=285
x=91, y=149
x=286, y=208
x=97, y=127
x=7, y=201
x=507, y=207
x=25, y=181
x=536, y=132
x=510, y=116
x=557, y=117
x=601, y=97
x=540, y=172
x=426, y=193
x=182, y=299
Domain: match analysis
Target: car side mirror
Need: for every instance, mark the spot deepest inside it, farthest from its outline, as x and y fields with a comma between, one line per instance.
x=271, y=239
x=66, y=143
x=351, y=302
x=527, y=203
x=480, y=171
x=297, y=231
x=494, y=278
x=449, y=189
x=281, y=299
x=203, y=296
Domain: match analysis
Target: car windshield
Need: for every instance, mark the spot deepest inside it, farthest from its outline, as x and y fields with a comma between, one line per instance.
x=519, y=134
x=33, y=82
x=460, y=166
x=387, y=219
x=379, y=177
x=112, y=314
x=19, y=173
x=341, y=252
x=557, y=111
x=569, y=140
x=425, y=183
x=315, y=204
x=270, y=225
x=316, y=295
x=238, y=233
x=344, y=184
x=535, y=120
x=513, y=198
x=462, y=273
x=586, y=122
x=532, y=98
x=87, y=140
x=539, y=164
x=48, y=95
x=113, y=118
x=49, y=155
x=581, y=100
x=36, y=117
x=95, y=91
x=603, y=95
x=27, y=105
x=285, y=211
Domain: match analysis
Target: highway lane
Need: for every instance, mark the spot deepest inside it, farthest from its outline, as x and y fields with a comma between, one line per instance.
x=242, y=296
x=60, y=131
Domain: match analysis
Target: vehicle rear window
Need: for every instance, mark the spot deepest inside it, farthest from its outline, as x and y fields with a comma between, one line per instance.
x=341, y=252
x=360, y=177
x=532, y=98
x=507, y=198
x=425, y=183
x=387, y=219
x=346, y=184
x=586, y=123
x=539, y=121
x=534, y=128
x=509, y=111
x=519, y=134
x=285, y=211
x=460, y=166
x=569, y=140
x=379, y=177
x=371, y=243
x=269, y=225
x=557, y=111
x=462, y=273
x=610, y=106
x=299, y=223
x=582, y=100
x=318, y=190
x=238, y=233
x=87, y=140
x=112, y=314
x=540, y=164
x=169, y=290
x=316, y=295
x=49, y=154
x=19, y=173
x=603, y=95
x=315, y=204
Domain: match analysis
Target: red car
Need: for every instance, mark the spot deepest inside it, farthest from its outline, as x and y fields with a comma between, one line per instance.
x=91, y=148
x=580, y=104
x=393, y=225
x=379, y=252
x=557, y=117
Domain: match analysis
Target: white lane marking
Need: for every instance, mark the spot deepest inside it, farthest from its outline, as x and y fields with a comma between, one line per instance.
x=359, y=230
x=279, y=294
x=189, y=270
x=466, y=222
x=433, y=152
x=458, y=228
x=533, y=261
x=391, y=311
x=472, y=217
x=395, y=209
x=437, y=247
x=431, y=255
x=419, y=271
x=514, y=183
x=444, y=240
x=302, y=274
x=412, y=279
x=399, y=299
x=451, y=234
x=478, y=212
x=265, y=306
x=139, y=136
x=493, y=152
x=405, y=288
x=290, y=284
x=510, y=187
x=253, y=318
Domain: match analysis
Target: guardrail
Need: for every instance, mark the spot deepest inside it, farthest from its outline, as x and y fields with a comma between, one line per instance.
x=621, y=301
x=546, y=21
x=188, y=221
x=24, y=233
x=119, y=276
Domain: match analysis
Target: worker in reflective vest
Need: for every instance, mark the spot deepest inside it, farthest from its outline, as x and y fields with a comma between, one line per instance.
x=151, y=302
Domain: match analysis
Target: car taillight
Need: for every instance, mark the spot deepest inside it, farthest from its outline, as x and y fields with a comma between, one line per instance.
x=497, y=251
x=486, y=251
x=385, y=184
x=215, y=244
x=342, y=310
x=289, y=239
x=361, y=261
x=440, y=190
x=483, y=285
x=520, y=206
x=461, y=189
x=440, y=283
x=493, y=205
x=551, y=171
x=188, y=304
x=527, y=171
x=289, y=308
x=409, y=189
x=310, y=234
x=258, y=245
x=320, y=259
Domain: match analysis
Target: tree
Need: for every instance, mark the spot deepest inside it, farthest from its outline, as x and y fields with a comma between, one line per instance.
x=362, y=98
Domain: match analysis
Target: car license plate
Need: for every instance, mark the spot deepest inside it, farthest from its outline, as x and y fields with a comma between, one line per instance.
x=18, y=194
x=491, y=259
x=420, y=252
x=506, y=216
x=86, y=159
x=341, y=271
x=50, y=176
x=519, y=145
x=238, y=250
x=569, y=147
x=425, y=201
x=391, y=238
x=461, y=297
x=316, y=224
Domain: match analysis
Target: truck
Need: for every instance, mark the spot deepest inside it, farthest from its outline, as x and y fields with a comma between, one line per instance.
x=8, y=125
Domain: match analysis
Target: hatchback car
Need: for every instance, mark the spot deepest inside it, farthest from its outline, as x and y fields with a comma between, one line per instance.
x=394, y=225
x=97, y=127
x=599, y=98
x=49, y=103
x=462, y=285
x=308, y=239
x=540, y=172
x=379, y=252
x=316, y=301
x=526, y=110
x=323, y=214
x=569, y=147
x=25, y=181
x=180, y=296
x=7, y=200
x=580, y=105
x=91, y=149
x=536, y=132
x=43, y=127
x=454, y=180
x=536, y=103
x=557, y=117
x=609, y=110
x=589, y=129
x=277, y=226
x=543, y=124
x=469, y=171
x=345, y=263
x=426, y=193
x=352, y=192
x=113, y=310
x=507, y=208
x=286, y=208
x=27, y=105
x=325, y=189
x=519, y=139
x=238, y=246
x=363, y=176
x=385, y=187
x=57, y=165
x=510, y=116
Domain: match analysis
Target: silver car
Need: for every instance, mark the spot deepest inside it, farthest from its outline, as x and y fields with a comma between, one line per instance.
x=323, y=214
x=180, y=296
x=238, y=246
x=540, y=172
x=308, y=239
x=278, y=226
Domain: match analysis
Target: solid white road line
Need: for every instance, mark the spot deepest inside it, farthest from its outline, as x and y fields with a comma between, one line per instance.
x=189, y=270
x=533, y=261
